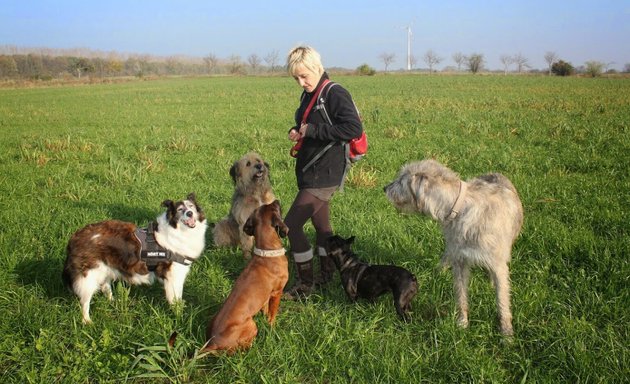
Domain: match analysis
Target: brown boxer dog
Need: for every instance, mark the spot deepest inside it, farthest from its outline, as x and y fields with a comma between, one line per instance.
x=259, y=286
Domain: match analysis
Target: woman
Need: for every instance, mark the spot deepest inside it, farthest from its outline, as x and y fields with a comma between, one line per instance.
x=320, y=163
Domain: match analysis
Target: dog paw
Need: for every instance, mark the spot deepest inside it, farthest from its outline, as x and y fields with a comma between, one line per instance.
x=462, y=322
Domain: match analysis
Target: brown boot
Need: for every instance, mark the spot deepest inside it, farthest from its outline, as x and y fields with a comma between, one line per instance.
x=326, y=268
x=303, y=286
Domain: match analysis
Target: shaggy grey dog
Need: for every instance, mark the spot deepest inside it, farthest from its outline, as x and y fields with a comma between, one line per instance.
x=252, y=189
x=480, y=220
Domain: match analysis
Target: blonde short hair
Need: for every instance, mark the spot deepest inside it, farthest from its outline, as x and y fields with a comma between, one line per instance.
x=307, y=57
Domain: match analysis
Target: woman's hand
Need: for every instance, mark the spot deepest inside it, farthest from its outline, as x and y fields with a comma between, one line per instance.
x=294, y=135
x=303, y=129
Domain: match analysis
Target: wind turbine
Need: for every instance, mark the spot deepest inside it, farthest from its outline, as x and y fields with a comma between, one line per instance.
x=409, y=34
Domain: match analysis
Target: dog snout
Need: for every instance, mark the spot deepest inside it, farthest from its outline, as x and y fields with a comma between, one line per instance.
x=189, y=213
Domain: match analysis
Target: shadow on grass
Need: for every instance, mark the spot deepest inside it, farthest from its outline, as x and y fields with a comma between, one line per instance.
x=141, y=216
x=44, y=274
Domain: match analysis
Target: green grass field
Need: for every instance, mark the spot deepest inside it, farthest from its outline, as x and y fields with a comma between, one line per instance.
x=73, y=155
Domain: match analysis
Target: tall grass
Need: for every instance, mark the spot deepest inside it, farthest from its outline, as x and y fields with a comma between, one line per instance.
x=74, y=155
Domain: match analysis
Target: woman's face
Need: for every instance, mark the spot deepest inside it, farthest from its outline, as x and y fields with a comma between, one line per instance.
x=306, y=78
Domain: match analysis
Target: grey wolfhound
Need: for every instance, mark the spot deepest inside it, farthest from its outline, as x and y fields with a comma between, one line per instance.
x=480, y=220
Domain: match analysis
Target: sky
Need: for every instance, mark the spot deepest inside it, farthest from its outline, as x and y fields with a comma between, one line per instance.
x=346, y=33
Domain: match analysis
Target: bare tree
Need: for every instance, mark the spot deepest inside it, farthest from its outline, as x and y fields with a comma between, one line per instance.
x=413, y=61
x=431, y=58
x=143, y=64
x=211, y=62
x=7, y=49
x=387, y=58
x=459, y=59
x=550, y=58
x=98, y=64
x=254, y=61
x=235, y=65
x=521, y=62
x=506, y=60
x=8, y=67
x=475, y=62
x=80, y=65
x=272, y=60
x=173, y=66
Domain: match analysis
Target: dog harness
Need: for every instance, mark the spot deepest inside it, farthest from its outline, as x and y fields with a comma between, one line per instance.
x=351, y=271
x=152, y=253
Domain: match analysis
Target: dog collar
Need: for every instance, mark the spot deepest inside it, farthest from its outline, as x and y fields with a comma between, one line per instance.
x=269, y=252
x=350, y=262
x=457, y=206
x=353, y=277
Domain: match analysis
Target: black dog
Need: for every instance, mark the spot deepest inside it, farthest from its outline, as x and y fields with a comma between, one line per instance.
x=360, y=279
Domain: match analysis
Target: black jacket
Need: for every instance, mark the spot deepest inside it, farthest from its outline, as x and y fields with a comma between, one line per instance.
x=328, y=170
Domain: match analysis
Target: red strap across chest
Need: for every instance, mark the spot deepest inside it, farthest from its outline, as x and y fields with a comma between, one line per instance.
x=313, y=100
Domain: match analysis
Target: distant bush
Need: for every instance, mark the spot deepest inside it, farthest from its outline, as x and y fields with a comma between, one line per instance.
x=365, y=70
x=594, y=68
x=475, y=62
x=562, y=68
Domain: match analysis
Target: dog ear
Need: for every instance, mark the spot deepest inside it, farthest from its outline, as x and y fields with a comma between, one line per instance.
x=234, y=171
x=350, y=240
x=193, y=199
x=201, y=216
x=281, y=228
x=278, y=223
x=417, y=185
x=171, y=211
x=249, y=226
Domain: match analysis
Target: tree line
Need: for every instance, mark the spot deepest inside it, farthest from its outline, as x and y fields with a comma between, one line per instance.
x=516, y=63
x=47, y=64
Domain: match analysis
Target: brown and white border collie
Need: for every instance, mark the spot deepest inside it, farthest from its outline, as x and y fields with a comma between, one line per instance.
x=111, y=250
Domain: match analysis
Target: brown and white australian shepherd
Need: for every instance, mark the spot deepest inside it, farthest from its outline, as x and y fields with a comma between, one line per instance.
x=116, y=250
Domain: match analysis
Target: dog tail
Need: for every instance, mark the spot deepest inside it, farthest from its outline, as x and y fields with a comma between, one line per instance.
x=67, y=275
x=413, y=289
x=172, y=339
